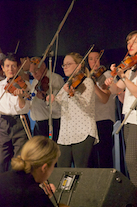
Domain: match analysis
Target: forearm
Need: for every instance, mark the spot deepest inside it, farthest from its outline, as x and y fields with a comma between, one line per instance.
x=21, y=102
x=115, y=88
x=103, y=95
x=130, y=85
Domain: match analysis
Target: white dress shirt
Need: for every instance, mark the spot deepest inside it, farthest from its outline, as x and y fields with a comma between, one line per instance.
x=9, y=104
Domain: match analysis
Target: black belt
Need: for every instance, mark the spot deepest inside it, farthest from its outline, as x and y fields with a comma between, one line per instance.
x=9, y=116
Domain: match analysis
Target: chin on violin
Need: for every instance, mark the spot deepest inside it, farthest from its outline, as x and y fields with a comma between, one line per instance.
x=17, y=87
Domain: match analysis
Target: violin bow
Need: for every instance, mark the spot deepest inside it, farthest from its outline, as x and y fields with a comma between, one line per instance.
x=56, y=34
x=125, y=56
x=81, y=62
x=100, y=55
x=77, y=67
x=44, y=184
x=17, y=47
x=25, y=125
x=13, y=79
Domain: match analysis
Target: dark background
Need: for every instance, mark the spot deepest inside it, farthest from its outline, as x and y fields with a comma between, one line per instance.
x=105, y=23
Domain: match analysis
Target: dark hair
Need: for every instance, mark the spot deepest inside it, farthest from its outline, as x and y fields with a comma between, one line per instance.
x=103, y=60
x=13, y=57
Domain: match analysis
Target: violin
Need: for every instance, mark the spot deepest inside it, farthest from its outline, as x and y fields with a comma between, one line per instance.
x=17, y=83
x=19, y=80
x=97, y=74
x=76, y=81
x=43, y=83
x=12, y=85
x=126, y=64
x=42, y=87
x=77, y=78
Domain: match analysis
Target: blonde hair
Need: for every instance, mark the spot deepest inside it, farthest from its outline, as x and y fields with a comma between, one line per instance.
x=130, y=35
x=78, y=58
x=36, y=152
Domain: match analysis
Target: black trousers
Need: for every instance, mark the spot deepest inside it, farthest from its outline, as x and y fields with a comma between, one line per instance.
x=42, y=128
x=102, y=152
x=79, y=154
x=12, y=138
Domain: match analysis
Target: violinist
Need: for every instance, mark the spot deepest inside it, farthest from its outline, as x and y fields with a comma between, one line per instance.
x=128, y=82
x=39, y=109
x=12, y=133
x=21, y=186
x=78, y=132
x=104, y=113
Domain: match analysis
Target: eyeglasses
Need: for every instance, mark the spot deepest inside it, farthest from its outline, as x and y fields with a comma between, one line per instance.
x=67, y=65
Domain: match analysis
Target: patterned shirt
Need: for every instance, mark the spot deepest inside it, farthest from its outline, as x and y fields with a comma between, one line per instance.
x=77, y=114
